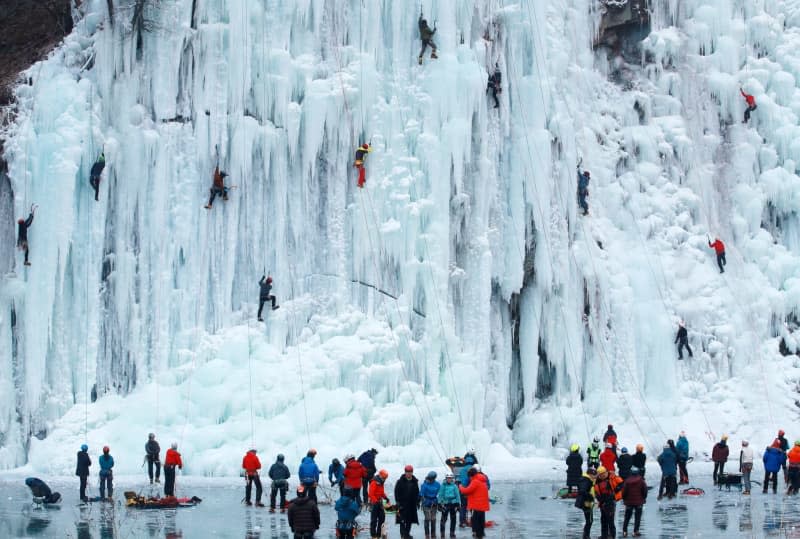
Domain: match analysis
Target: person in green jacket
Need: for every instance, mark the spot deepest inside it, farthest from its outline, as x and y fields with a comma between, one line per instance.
x=426, y=35
x=449, y=499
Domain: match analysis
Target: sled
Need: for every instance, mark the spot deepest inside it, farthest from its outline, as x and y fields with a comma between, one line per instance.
x=134, y=501
x=693, y=491
x=565, y=493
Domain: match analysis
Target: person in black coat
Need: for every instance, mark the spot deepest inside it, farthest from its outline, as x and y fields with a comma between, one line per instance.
x=574, y=467
x=96, y=172
x=367, y=460
x=624, y=463
x=303, y=515
x=82, y=469
x=406, y=495
x=152, y=454
x=682, y=338
x=495, y=85
x=264, y=295
x=22, y=233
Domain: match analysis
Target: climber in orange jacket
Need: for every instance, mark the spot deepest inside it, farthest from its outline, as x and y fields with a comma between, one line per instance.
x=477, y=494
x=217, y=187
x=361, y=154
x=751, y=105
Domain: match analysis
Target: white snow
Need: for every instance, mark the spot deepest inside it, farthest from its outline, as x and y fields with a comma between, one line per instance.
x=152, y=298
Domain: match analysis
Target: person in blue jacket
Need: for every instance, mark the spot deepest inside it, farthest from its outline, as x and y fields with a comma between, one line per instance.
x=668, y=460
x=347, y=509
x=336, y=475
x=773, y=460
x=367, y=460
x=106, y=462
x=429, y=496
x=682, y=445
x=309, y=474
x=449, y=499
x=470, y=460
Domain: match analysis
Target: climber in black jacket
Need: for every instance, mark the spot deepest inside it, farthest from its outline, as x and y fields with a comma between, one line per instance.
x=264, y=295
x=682, y=338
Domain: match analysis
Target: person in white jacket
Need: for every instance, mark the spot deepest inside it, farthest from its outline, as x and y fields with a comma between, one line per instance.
x=746, y=464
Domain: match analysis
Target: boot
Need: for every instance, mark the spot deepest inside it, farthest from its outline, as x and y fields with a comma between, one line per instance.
x=207, y=206
x=259, y=504
x=151, y=481
x=419, y=61
x=27, y=263
x=433, y=55
x=260, y=319
x=158, y=480
x=276, y=307
x=248, y=503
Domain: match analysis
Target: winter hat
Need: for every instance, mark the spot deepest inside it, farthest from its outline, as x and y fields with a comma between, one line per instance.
x=408, y=468
x=624, y=450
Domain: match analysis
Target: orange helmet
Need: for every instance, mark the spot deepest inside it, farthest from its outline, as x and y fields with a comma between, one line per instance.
x=383, y=474
x=312, y=452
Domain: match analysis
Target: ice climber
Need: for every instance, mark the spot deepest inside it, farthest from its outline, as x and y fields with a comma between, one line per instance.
x=279, y=474
x=429, y=496
x=719, y=249
x=347, y=509
x=668, y=460
x=585, y=500
x=354, y=473
x=495, y=85
x=217, y=187
x=682, y=338
x=469, y=461
x=96, y=172
x=574, y=467
x=794, y=468
x=751, y=105
x=264, y=295
x=634, y=496
x=583, y=190
x=773, y=459
x=303, y=515
x=82, y=470
x=624, y=463
x=336, y=475
x=251, y=464
x=682, y=445
x=22, y=233
x=361, y=154
x=746, y=466
x=593, y=454
x=610, y=437
x=720, y=456
x=309, y=474
x=106, y=462
x=607, y=488
x=152, y=452
x=406, y=496
x=608, y=458
x=171, y=460
x=426, y=36
x=477, y=494
x=639, y=459
x=367, y=460
x=449, y=499
x=376, y=497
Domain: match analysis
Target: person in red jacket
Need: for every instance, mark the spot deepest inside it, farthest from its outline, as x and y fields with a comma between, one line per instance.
x=361, y=154
x=251, y=465
x=354, y=473
x=217, y=187
x=172, y=459
x=608, y=458
x=719, y=248
x=376, y=495
x=477, y=494
x=751, y=105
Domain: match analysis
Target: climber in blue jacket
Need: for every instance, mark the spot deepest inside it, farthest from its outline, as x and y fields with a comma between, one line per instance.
x=347, y=509
x=429, y=493
x=668, y=460
x=682, y=445
x=309, y=474
x=336, y=475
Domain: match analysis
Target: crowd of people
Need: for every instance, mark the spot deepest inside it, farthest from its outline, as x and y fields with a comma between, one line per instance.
x=614, y=475
x=462, y=496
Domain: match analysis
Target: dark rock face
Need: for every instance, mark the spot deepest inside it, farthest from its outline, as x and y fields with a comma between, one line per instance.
x=31, y=28
x=619, y=18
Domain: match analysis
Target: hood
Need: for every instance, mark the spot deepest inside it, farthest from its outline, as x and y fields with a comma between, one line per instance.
x=301, y=501
x=307, y=460
x=479, y=477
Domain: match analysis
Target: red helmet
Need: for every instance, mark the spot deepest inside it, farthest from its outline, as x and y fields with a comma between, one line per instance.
x=269, y=279
x=586, y=173
x=106, y=449
x=409, y=468
x=781, y=433
x=21, y=221
x=365, y=146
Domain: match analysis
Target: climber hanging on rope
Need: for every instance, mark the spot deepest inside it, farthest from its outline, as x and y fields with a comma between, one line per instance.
x=264, y=295
x=583, y=189
x=22, y=234
x=361, y=154
x=719, y=248
x=682, y=340
x=94, y=175
x=218, y=187
x=494, y=85
x=751, y=105
x=426, y=36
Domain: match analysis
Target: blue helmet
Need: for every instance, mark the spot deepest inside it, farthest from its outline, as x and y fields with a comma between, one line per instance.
x=624, y=449
x=84, y=447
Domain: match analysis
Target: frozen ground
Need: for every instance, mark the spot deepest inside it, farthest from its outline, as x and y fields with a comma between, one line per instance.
x=526, y=510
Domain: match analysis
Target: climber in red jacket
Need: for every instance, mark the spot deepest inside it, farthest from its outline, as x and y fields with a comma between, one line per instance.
x=719, y=248
x=361, y=154
x=751, y=105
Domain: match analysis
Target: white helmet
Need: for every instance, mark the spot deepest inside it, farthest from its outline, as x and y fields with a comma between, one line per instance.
x=348, y=457
x=477, y=467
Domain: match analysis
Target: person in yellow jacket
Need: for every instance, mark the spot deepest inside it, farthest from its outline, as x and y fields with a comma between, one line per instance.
x=361, y=154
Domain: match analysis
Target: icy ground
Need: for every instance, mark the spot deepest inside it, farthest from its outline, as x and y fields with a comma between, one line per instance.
x=519, y=327
x=526, y=510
